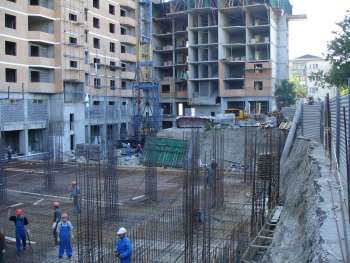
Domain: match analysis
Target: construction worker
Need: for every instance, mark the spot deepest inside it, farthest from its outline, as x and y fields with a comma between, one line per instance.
x=2, y=247
x=123, y=249
x=65, y=235
x=56, y=219
x=75, y=195
x=138, y=150
x=20, y=222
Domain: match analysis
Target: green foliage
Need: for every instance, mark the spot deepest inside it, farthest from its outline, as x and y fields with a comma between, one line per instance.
x=300, y=91
x=285, y=94
x=339, y=56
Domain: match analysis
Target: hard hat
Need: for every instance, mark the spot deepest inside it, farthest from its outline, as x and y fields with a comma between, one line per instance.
x=121, y=231
x=74, y=182
x=64, y=215
x=19, y=212
x=56, y=204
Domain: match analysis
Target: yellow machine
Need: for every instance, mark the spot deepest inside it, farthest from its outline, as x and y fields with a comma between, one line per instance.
x=239, y=114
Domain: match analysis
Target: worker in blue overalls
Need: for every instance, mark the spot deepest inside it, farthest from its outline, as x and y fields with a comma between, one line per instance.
x=65, y=235
x=75, y=195
x=20, y=222
x=123, y=248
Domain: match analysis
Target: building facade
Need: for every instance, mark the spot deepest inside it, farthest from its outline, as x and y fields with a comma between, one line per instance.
x=66, y=72
x=300, y=70
x=215, y=55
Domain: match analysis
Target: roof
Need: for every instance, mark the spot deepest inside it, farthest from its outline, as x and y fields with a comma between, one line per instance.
x=164, y=152
x=307, y=56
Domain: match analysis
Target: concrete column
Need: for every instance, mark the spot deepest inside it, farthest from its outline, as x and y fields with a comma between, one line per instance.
x=23, y=142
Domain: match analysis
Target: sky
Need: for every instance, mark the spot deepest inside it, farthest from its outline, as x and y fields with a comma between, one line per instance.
x=310, y=36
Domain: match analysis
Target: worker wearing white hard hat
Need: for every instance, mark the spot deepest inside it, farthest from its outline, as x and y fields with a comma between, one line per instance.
x=123, y=248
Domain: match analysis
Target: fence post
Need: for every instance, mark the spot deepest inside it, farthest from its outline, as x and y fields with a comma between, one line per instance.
x=337, y=127
x=348, y=146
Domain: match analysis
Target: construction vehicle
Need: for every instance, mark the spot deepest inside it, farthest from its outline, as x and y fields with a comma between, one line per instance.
x=239, y=114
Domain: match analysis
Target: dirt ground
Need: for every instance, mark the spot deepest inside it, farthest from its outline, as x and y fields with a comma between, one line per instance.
x=26, y=191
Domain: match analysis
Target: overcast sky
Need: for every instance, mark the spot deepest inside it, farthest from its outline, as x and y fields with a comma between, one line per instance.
x=310, y=36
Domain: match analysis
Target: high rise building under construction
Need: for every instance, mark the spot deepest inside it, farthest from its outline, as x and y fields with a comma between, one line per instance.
x=211, y=55
x=66, y=72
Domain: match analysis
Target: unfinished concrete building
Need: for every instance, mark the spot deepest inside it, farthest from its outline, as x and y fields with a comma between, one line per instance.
x=66, y=65
x=216, y=55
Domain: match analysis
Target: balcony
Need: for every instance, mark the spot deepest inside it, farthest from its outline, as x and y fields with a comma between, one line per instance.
x=125, y=20
x=38, y=10
x=128, y=93
x=128, y=57
x=128, y=39
x=127, y=75
x=181, y=94
x=127, y=3
x=41, y=36
x=42, y=87
x=42, y=61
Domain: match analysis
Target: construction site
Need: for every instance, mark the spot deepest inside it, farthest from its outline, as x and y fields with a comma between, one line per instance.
x=169, y=129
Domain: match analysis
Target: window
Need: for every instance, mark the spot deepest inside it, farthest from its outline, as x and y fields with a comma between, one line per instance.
x=73, y=17
x=96, y=43
x=165, y=88
x=258, y=68
x=13, y=1
x=112, y=65
x=123, y=84
x=35, y=76
x=71, y=121
x=111, y=28
x=86, y=57
x=72, y=142
x=123, y=65
x=97, y=83
x=86, y=79
x=112, y=9
x=10, y=48
x=123, y=31
x=73, y=64
x=96, y=3
x=112, y=84
x=73, y=40
x=111, y=103
x=112, y=47
x=122, y=12
x=97, y=63
x=96, y=22
x=34, y=2
x=11, y=75
x=10, y=21
x=34, y=51
x=86, y=35
x=36, y=101
x=96, y=103
x=124, y=103
x=122, y=49
x=258, y=85
x=86, y=14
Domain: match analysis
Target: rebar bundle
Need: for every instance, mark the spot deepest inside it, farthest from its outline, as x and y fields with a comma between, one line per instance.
x=89, y=177
x=111, y=185
x=151, y=182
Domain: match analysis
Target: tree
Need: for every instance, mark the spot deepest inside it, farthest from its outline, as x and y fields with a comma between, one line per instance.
x=285, y=94
x=339, y=56
x=300, y=91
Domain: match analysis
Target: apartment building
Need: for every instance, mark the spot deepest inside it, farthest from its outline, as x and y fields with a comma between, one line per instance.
x=301, y=69
x=215, y=55
x=66, y=70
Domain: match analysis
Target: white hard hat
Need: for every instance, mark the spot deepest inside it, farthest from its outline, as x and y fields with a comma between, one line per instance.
x=121, y=231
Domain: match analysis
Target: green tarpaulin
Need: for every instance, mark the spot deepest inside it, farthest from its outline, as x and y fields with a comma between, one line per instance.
x=164, y=152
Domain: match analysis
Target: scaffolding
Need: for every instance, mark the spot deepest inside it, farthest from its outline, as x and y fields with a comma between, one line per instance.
x=146, y=119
